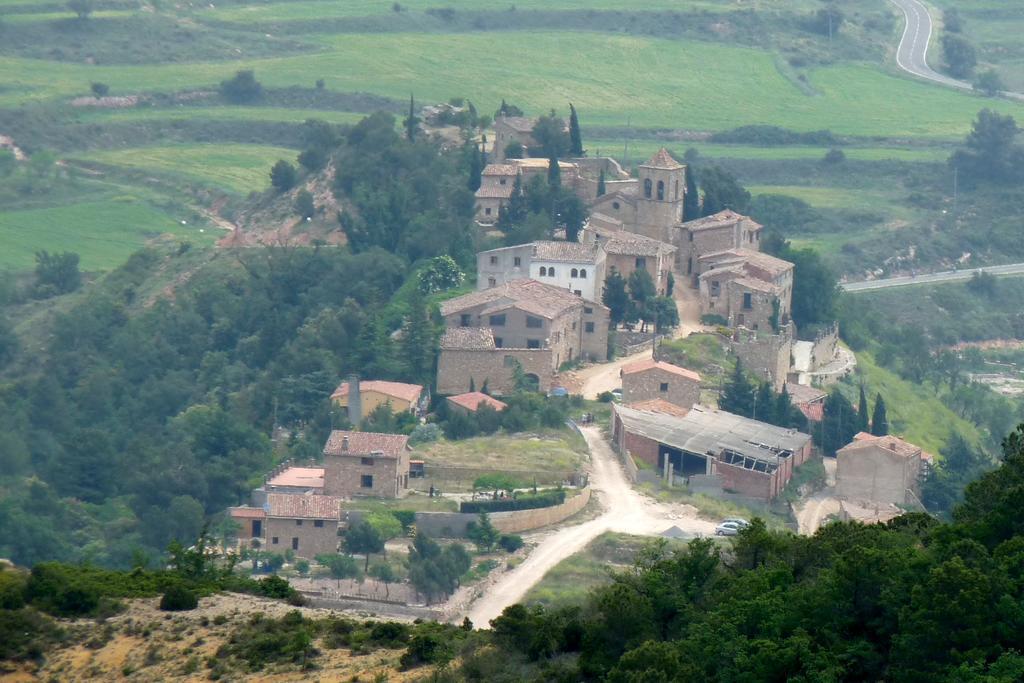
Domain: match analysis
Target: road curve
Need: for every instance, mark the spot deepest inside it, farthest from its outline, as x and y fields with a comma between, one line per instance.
x=912, y=51
x=932, y=278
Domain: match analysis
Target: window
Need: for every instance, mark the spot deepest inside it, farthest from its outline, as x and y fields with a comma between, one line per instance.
x=587, y=310
x=498, y=342
x=663, y=387
x=509, y=361
x=574, y=273
x=677, y=190
x=534, y=323
x=533, y=343
x=487, y=211
x=551, y=271
x=647, y=188
x=298, y=522
x=641, y=262
x=748, y=300
x=257, y=527
x=715, y=288
x=366, y=461
x=578, y=292
x=689, y=235
x=740, y=319
x=574, y=325
x=318, y=523
x=273, y=541
x=543, y=271
x=491, y=282
x=689, y=265
x=464, y=320
x=588, y=327
x=661, y=190
x=498, y=320
x=615, y=205
x=366, y=481
x=494, y=260
x=295, y=542
x=502, y=181
x=583, y=272
x=517, y=261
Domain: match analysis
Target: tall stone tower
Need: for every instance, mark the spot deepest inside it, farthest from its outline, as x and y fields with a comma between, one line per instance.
x=659, y=204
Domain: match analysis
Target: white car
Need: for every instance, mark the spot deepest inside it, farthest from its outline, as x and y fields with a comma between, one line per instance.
x=738, y=521
x=727, y=529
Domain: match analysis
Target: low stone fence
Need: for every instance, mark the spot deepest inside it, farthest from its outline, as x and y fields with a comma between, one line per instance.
x=443, y=477
x=627, y=343
x=453, y=524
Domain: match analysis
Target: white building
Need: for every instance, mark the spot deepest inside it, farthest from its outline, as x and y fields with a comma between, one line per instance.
x=578, y=268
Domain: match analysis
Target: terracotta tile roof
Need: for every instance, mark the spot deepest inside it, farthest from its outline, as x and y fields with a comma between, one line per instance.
x=758, y=285
x=544, y=300
x=659, y=405
x=800, y=393
x=628, y=244
x=247, y=513
x=494, y=192
x=521, y=124
x=651, y=364
x=299, y=477
x=500, y=169
x=406, y=392
x=468, y=338
x=759, y=264
x=815, y=412
x=473, y=399
x=550, y=250
x=719, y=220
x=364, y=443
x=893, y=444
x=662, y=159
x=303, y=506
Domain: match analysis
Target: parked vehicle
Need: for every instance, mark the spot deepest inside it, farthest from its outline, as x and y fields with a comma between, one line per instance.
x=727, y=529
x=738, y=521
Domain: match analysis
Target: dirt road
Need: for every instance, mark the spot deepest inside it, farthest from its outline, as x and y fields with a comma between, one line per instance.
x=817, y=507
x=625, y=510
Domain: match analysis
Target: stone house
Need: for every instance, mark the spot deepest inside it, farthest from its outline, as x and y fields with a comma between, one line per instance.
x=626, y=252
x=718, y=232
x=366, y=464
x=808, y=400
x=746, y=288
x=738, y=454
x=539, y=325
x=496, y=184
x=403, y=397
x=880, y=469
x=650, y=379
x=574, y=266
x=471, y=401
x=652, y=207
x=305, y=524
x=509, y=129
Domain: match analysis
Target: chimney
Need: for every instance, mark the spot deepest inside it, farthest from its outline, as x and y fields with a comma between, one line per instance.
x=344, y=444
x=355, y=402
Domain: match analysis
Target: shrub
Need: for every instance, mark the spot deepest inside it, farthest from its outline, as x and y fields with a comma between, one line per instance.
x=606, y=397
x=406, y=517
x=427, y=433
x=275, y=587
x=510, y=542
x=304, y=205
x=527, y=501
x=12, y=589
x=713, y=319
x=770, y=136
x=283, y=176
x=430, y=645
x=241, y=88
x=100, y=89
x=177, y=598
x=834, y=156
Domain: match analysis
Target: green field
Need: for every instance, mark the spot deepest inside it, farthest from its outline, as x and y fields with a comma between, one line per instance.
x=599, y=74
x=237, y=168
x=640, y=150
x=103, y=232
x=221, y=113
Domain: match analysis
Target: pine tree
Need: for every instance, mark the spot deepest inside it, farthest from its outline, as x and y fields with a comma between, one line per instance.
x=691, y=202
x=554, y=172
x=862, y=411
x=575, y=138
x=600, y=184
x=418, y=340
x=783, y=408
x=412, y=121
x=475, y=169
x=738, y=395
x=879, y=420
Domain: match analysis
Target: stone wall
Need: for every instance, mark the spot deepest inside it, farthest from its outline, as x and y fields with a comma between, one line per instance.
x=878, y=475
x=343, y=475
x=594, y=335
x=312, y=540
x=455, y=369
x=657, y=383
x=748, y=482
x=767, y=356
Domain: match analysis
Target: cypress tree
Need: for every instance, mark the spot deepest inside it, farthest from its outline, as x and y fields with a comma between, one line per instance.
x=412, y=121
x=600, y=184
x=764, y=404
x=418, y=340
x=516, y=210
x=783, y=407
x=554, y=172
x=838, y=424
x=575, y=138
x=691, y=202
x=738, y=396
x=862, y=411
x=475, y=169
x=879, y=420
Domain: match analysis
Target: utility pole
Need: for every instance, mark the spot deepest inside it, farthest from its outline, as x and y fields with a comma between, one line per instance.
x=956, y=186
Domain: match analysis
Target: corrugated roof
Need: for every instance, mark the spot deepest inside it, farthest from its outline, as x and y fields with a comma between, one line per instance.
x=662, y=159
x=651, y=364
x=299, y=477
x=468, y=338
x=406, y=392
x=364, y=443
x=707, y=431
x=473, y=399
x=303, y=506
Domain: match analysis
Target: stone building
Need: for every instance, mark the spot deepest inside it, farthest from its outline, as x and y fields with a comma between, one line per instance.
x=401, y=396
x=509, y=129
x=366, y=464
x=652, y=207
x=765, y=354
x=539, y=325
x=496, y=184
x=880, y=469
x=626, y=252
x=305, y=524
x=574, y=266
x=740, y=455
x=718, y=232
x=746, y=288
x=650, y=379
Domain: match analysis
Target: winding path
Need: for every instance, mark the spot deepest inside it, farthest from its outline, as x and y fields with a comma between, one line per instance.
x=932, y=278
x=625, y=510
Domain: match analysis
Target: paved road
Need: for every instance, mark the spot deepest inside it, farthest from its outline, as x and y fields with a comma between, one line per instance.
x=912, y=52
x=625, y=510
x=932, y=278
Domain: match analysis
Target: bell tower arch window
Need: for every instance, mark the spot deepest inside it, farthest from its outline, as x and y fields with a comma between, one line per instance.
x=647, y=188
x=661, y=190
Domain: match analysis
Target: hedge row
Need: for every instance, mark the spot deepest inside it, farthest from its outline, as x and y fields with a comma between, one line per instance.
x=526, y=501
